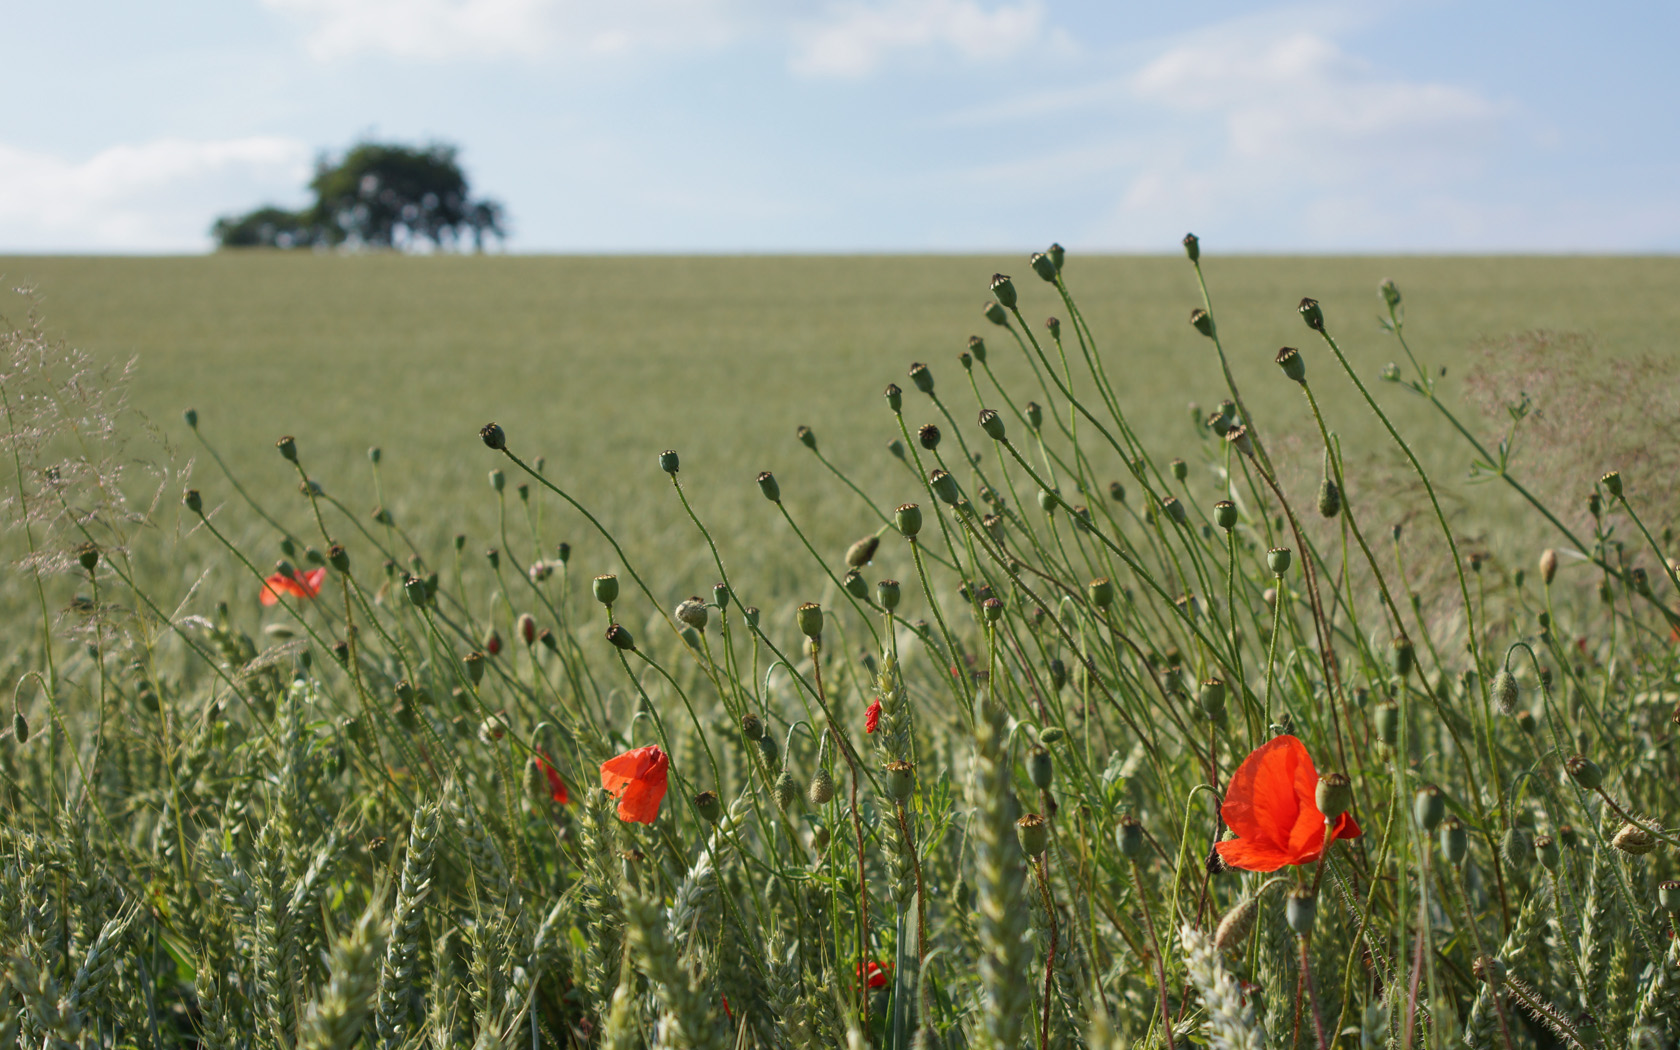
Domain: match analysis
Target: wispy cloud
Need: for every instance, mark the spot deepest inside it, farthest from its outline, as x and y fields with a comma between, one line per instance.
x=152, y=196
x=855, y=39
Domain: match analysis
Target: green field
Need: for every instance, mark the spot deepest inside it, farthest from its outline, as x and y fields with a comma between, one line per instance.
x=599, y=363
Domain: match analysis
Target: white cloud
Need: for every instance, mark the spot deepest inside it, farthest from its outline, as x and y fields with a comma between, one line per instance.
x=854, y=39
x=152, y=196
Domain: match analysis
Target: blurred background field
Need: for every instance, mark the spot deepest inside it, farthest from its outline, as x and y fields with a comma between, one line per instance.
x=598, y=363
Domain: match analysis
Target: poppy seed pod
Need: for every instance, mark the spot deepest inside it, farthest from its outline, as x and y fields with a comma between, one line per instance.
x=1505, y=692
x=1387, y=719
x=1429, y=807
x=288, y=448
x=750, y=614
x=498, y=481
x=1180, y=469
x=1192, y=247
x=901, y=778
x=1044, y=266
x=1033, y=831
x=1004, y=289
x=1567, y=836
x=1277, y=560
x=1057, y=254
x=1237, y=924
x=752, y=726
x=895, y=397
x=493, y=436
x=1238, y=438
x=1403, y=656
x=992, y=424
x=1040, y=768
x=809, y=616
x=1225, y=514
x=1202, y=321
x=709, y=806
x=668, y=461
x=908, y=518
x=966, y=359
x=1034, y=413
x=806, y=436
x=1634, y=840
x=862, y=552
x=1175, y=510
x=821, y=790
x=191, y=417
x=415, y=588
x=720, y=595
x=767, y=484
x=1584, y=771
x=1312, y=314
x=921, y=376
x=944, y=486
x=338, y=558
x=888, y=592
x=996, y=314
x=977, y=347
x=1546, y=852
x=1668, y=895
x=1058, y=673
x=785, y=790
x=692, y=611
x=1100, y=592
x=1128, y=835
x=1300, y=908
x=855, y=584
x=192, y=501
x=605, y=588
x=1612, y=482
x=1047, y=501
x=1455, y=841
x=992, y=610
x=474, y=663
x=621, y=637
x=1293, y=364
x=1640, y=582
x=928, y=435
x=1333, y=796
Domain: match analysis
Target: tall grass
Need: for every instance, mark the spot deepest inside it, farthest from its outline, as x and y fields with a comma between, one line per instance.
x=967, y=792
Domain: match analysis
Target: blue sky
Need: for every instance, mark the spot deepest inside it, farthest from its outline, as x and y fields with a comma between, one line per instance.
x=865, y=125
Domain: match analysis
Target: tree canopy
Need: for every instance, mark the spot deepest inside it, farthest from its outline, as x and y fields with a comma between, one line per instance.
x=379, y=196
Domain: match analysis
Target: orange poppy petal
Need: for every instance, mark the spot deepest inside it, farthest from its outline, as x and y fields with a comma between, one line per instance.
x=641, y=798
x=311, y=582
x=1347, y=827
x=1262, y=803
x=1251, y=856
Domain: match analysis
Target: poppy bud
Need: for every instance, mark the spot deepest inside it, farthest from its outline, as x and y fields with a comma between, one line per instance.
x=1516, y=848
x=20, y=727
x=1211, y=697
x=1128, y=834
x=821, y=791
x=668, y=461
x=862, y=552
x=785, y=790
x=692, y=611
x=1640, y=582
x=809, y=616
x=992, y=424
x=1175, y=510
x=1635, y=840
x=1293, y=364
x=709, y=806
x=1202, y=321
x=750, y=614
x=1333, y=796
x=1270, y=597
x=1429, y=806
x=1238, y=438
x=1387, y=719
x=888, y=593
x=1300, y=908
x=1034, y=833
x=493, y=436
x=498, y=480
x=1044, y=266
x=901, y=778
x=1668, y=895
x=341, y=652
x=944, y=486
x=1237, y=924
x=1058, y=673
x=415, y=588
x=1329, y=496
x=752, y=727
x=1277, y=560
x=1546, y=852
x=1311, y=314
x=1055, y=326
x=1047, y=501
x=621, y=637
x=1403, y=656
x=492, y=642
x=1584, y=771
x=191, y=416
x=806, y=436
x=855, y=585
x=908, y=518
x=474, y=663
x=605, y=588
x=1100, y=592
x=1390, y=293
x=1004, y=289
x=1505, y=692
x=193, y=501
x=1612, y=483
x=1040, y=768
x=1567, y=836
x=527, y=628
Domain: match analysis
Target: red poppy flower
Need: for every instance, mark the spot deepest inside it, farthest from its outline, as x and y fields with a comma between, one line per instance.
x=637, y=779
x=298, y=585
x=727, y=1011
x=872, y=717
x=877, y=975
x=556, y=786
x=1270, y=806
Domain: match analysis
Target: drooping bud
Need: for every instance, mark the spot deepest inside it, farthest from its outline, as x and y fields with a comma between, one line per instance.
x=1277, y=560
x=821, y=790
x=1237, y=924
x=862, y=552
x=1329, y=495
x=901, y=778
x=1293, y=364
x=1040, y=768
x=1505, y=692
x=1311, y=314
x=1202, y=321
x=1300, y=908
x=1004, y=289
x=908, y=518
x=1634, y=839
x=1429, y=807
x=785, y=790
x=621, y=637
x=1058, y=674
x=809, y=616
x=1333, y=796
x=992, y=424
x=605, y=588
x=1192, y=247
x=1584, y=771
x=1033, y=831
x=1516, y=848
x=692, y=612
x=20, y=727
x=888, y=592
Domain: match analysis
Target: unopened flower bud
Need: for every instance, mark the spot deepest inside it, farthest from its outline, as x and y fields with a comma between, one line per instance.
x=992, y=424
x=1329, y=496
x=1128, y=835
x=1300, y=908
x=1055, y=326
x=901, y=778
x=1634, y=839
x=1202, y=321
x=1505, y=692
x=862, y=552
x=809, y=616
x=492, y=642
x=1584, y=771
x=692, y=612
x=1237, y=924
x=1333, y=796
x=1058, y=673
x=1311, y=314
x=1033, y=831
x=1040, y=768
x=1293, y=364
x=1402, y=655
x=785, y=790
x=1429, y=807
x=526, y=626
x=1548, y=565
x=1517, y=848
x=605, y=588
x=1192, y=247
x=1004, y=289
x=908, y=519
x=20, y=727
x=821, y=790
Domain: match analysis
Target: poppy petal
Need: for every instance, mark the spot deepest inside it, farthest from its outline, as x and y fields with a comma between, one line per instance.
x=311, y=582
x=1347, y=827
x=1262, y=803
x=1250, y=855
